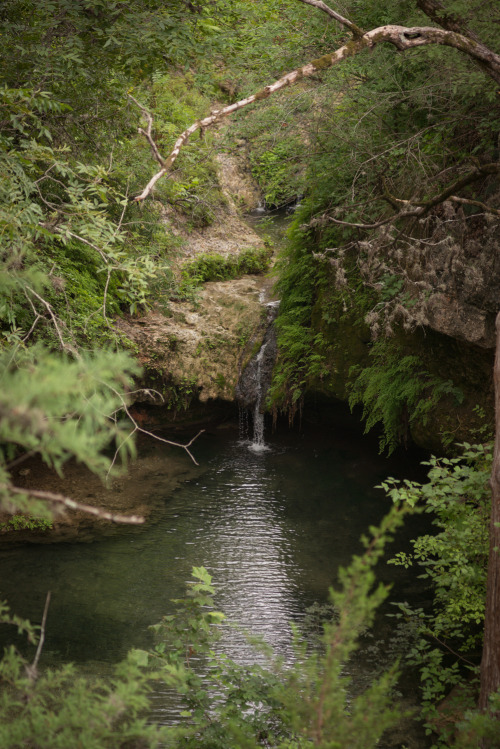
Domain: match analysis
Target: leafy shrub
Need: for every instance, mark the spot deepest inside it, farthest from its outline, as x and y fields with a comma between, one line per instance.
x=213, y=267
x=454, y=560
x=26, y=522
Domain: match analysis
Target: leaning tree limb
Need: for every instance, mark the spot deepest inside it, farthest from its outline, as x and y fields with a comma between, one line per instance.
x=401, y=37
x=71, y=504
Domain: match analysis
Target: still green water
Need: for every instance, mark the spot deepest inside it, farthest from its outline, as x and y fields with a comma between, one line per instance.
x=271, y=527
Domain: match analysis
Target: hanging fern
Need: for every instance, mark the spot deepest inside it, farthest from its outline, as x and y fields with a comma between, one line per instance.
x=396, y=391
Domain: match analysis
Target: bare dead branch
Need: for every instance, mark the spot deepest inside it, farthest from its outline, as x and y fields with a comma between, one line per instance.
x=72, y=504
x=420, y=208
x=336, y=16
x=377, y=224
x=401, y=37
x=32, y=669
x=147, y=133
x=137, y=428
x=478, y=203
x=479, y=172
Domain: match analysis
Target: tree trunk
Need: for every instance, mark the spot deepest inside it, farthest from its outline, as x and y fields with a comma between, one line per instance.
x=490, y=663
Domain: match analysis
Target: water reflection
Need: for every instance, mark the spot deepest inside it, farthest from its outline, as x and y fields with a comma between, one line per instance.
x=271, y=528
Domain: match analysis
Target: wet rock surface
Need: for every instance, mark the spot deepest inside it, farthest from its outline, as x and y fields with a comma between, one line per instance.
x=255, y=380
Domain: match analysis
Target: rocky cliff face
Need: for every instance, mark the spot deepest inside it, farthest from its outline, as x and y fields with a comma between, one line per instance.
x=461, y=265
x=450, y=268
x=195, y=349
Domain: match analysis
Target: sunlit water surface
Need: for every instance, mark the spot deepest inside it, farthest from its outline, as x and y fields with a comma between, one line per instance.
x=271, y=527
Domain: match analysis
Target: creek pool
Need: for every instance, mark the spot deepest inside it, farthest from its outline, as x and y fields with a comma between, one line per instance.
x=271, y=527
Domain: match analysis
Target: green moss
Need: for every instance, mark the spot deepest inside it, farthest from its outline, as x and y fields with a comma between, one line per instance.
x=324, y=62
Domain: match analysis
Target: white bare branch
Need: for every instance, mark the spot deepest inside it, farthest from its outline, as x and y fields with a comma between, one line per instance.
x=147, y=133
x=336, y=16
x=401, y=37
x=32, y=669
x=72, y=504
x=137, y=428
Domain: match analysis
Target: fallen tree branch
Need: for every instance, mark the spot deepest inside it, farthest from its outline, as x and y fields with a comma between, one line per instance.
x=72, y=504
x=401, y=37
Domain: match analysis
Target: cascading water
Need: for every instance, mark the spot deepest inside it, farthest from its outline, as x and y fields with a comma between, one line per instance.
x=258, y=417
x=254, y=383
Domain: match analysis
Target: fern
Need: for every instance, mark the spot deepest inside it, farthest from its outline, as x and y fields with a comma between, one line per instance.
x=396, y=392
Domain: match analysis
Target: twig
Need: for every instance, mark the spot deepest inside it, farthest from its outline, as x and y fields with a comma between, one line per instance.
x=151, y=434
x=336, y=16
x=32, y=670
x=420, y=208
x=60, y=230
x=147, y=133
x=71, y=504
x=466, y=201
x=20, y=459
x=65, y=346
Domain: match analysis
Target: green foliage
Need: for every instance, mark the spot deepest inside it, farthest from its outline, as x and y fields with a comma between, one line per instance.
x=213, y=267
x=59, y=708
x=396, y=391
x=301, y=354
x=59, y=408
x=307, y=704
x=225, y=705
x=453, y=559
x=194, y=189
x=26, y=522
x=273, y=172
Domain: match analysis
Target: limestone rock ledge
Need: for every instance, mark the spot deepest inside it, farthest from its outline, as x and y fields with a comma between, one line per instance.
x=197, y=349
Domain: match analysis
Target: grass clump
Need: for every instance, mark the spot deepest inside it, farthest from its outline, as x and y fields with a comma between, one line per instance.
x=213, y=267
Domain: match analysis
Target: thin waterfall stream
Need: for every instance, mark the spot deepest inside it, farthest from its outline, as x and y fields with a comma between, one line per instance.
x=258, y=417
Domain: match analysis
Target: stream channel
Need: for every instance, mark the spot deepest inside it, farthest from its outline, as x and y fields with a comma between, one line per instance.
x=271, y=527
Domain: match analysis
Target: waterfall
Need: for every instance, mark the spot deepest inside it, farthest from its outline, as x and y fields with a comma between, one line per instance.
x=254, y=383
x=258, y=417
